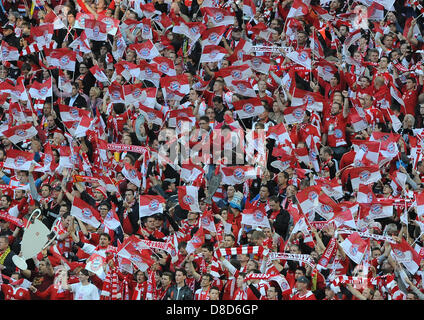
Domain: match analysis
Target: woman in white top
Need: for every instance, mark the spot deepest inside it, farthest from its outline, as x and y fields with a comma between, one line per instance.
x=83, y=290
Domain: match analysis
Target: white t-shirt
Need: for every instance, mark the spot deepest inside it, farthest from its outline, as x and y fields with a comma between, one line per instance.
x=87, y=292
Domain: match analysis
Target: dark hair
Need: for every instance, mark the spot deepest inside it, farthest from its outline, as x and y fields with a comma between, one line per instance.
x=217, y=99
x=207, y=246
x=274, y=198
x=204, y=118
x=230, y=235
x=208, y=275
x=105, y=203
x=303, y=269
x=84, y=272
x=183, y=271
x=107, y=235
x=8, y=198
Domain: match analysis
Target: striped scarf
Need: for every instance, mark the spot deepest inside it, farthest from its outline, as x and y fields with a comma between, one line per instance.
x=125, y=291
x=110, y=287
x=240, y=250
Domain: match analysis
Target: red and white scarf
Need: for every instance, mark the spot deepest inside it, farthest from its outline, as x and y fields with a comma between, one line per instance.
x=110, y=289
x=240, y=250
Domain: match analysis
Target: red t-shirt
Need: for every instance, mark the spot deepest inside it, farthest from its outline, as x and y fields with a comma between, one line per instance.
x=307, y=296
x=335, y=128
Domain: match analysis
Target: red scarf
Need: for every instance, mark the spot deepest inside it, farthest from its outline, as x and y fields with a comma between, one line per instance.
x=110, y=287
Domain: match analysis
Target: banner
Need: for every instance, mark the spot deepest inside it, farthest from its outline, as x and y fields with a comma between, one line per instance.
x=125, y=147
x=165, y=246
x=275, y=49
x=369, y=235
x=290, y=256
x=11, y=219
x=318, y=224
x=329, y=253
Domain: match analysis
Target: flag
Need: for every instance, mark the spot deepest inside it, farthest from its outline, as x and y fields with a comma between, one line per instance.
x=377, y=209
x=364, y=175
x=149, y=72
x=343, y=218
x=62, y=58
x=207, y=221
x=86, y=123
x=136, y=251
x=355, y=247
x=255, y=217
x=84, y=212
x=301, y=57
x=41, y=90
x=331, y=188
x=173, y=115
x=150, y=205
x=217, y=16
x=298, y=8
x=134, y=94
x=369, y=149
x=68, y=113
x=146, y=29
x=165, y=65
x=314, y=100
x=81, y=43
x=375, y=12
x=145, y=50
x=188, y=198
x=419, y=199
x=280, y=134
x=111, y=220
x=116, y=93
x=213, y=36
x=191, y=172
x=176, y=87
x=238, y=174
x=248, y=108
x=20, y=133
x=163, y=20
x=133, y=175
x=99, y=74
x=365, y=194
x=51, y=17
x=243, y=87
x=243, y=47
x=18, y=160
x=260, y=64
x=405, y=254
x=249, y=8
x=293, y=115
x=234, y=73
x=308, y=198
x=8, y=53
x=42, y=35
x=151, y=115
x=111, y=24
x=95, y=30
x=212, y=53
x=95, y=264
x=191, y=30
x=358, y=122
x=326, y=70
x=196, y=241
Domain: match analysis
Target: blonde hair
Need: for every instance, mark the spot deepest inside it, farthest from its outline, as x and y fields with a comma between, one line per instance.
x=96, y=91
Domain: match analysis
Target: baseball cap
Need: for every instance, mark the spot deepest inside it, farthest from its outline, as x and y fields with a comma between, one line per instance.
x=8, y=27
x=302, y=279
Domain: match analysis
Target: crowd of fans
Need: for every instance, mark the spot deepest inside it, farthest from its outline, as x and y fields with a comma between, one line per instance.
x=325, y=159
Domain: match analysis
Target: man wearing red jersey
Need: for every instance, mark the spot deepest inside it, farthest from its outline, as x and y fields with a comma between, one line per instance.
x=334, y=134
x=302, y=290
